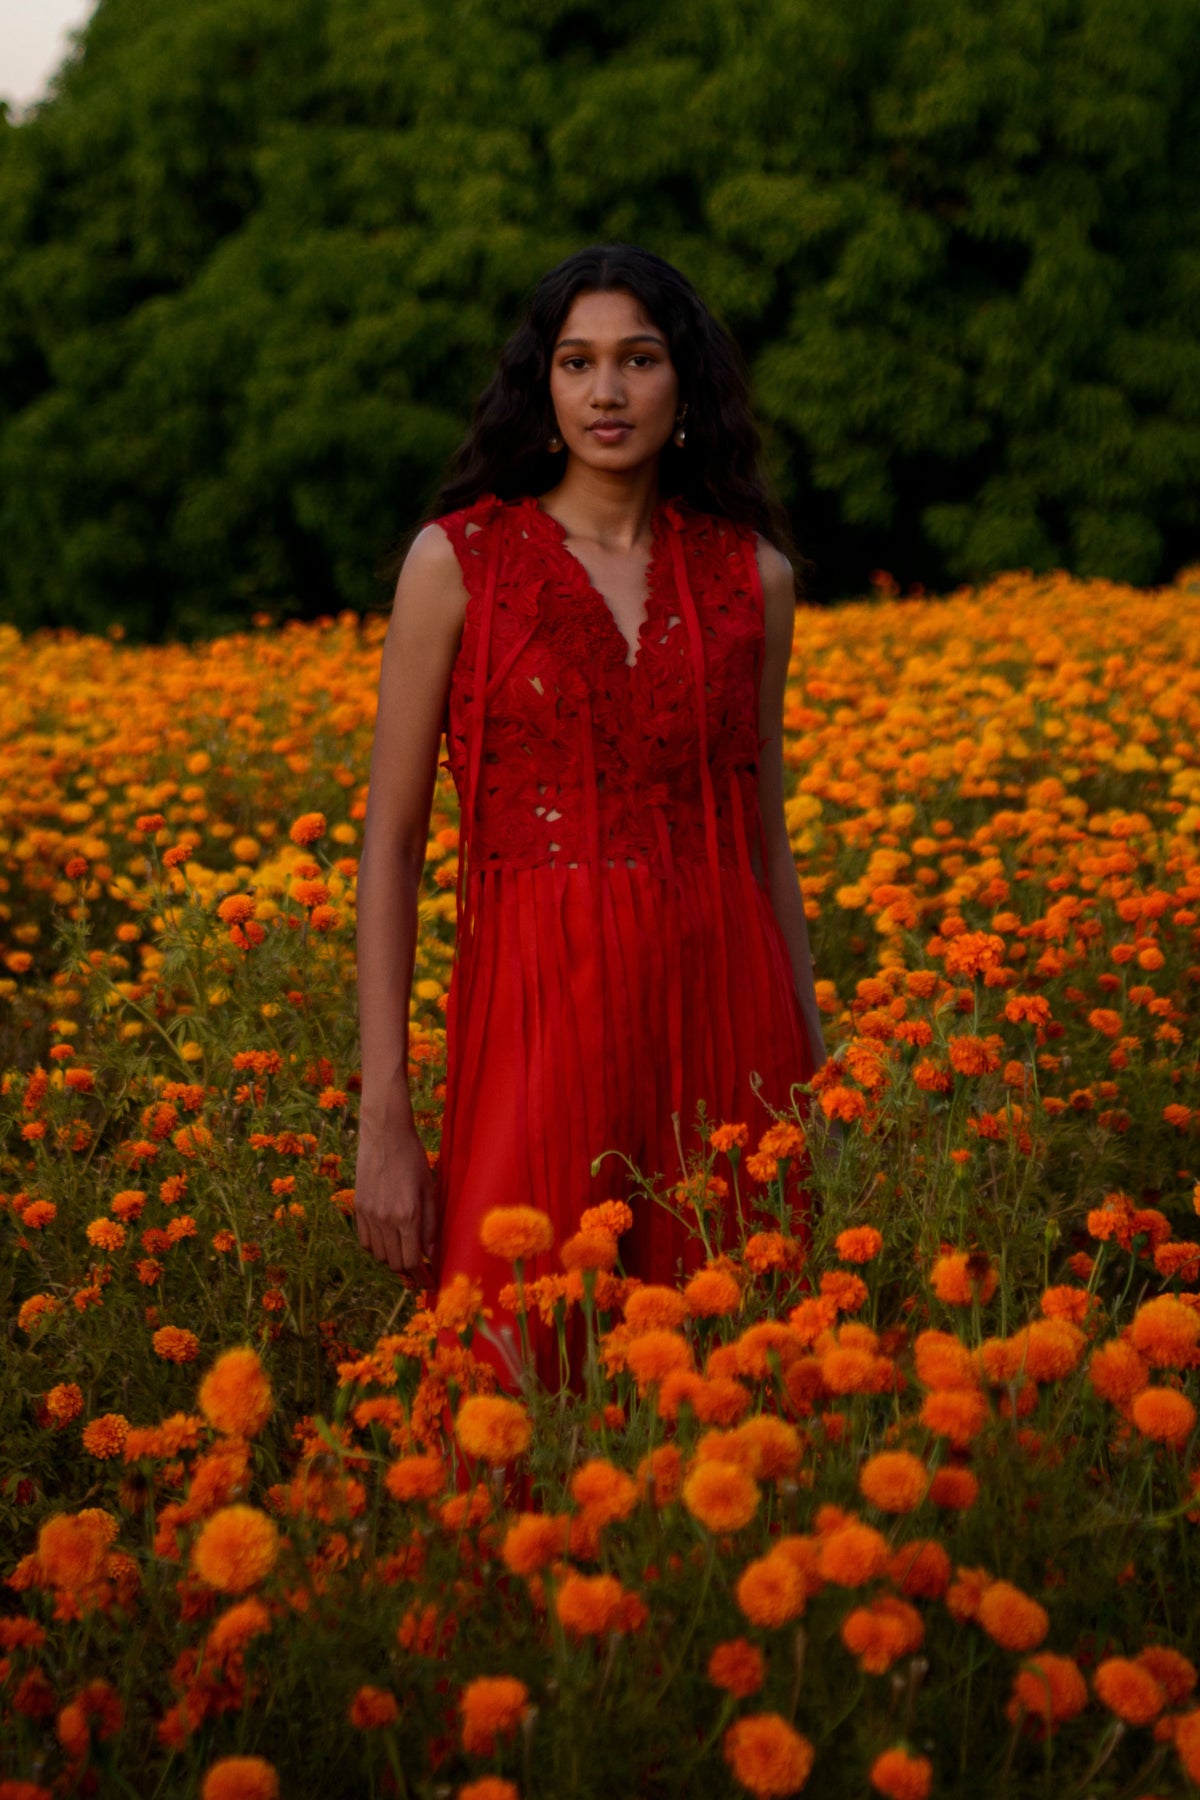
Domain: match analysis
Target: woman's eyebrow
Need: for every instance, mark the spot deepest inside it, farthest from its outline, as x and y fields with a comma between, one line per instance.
x=638, y=337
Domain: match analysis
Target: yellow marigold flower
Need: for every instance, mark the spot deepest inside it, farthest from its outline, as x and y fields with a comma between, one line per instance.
x=955, y=1413
x=721, y=1495
x=373, y=1709
x=860, y=1244
x=852, y=1555
x=738, y=1667
x=416, y=1477
x=1049, y=1688
x=770, y=1590
x=711, y=1294
x=1163, y=1415
x=493, y=1429
x=767, y=1755
x=589, y=1605
x=653, y=1354
x=176, y=1345
x=1011, y=1618
x=1165, y=1332
x=655, y=1309
x=901, y=1776
x=963, y=1276
x=237, y=1547
x=895, y=1481
x=64, y=1402
x=105, y=1437
x=1129, y=1690
x=307, y=828
x=241, y=1778
x=515, y=1233
x=235, y=1396
x=533, y=1541
x=72, y=1548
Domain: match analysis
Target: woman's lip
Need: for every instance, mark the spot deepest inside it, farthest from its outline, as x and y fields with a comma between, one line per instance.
x=609, y=429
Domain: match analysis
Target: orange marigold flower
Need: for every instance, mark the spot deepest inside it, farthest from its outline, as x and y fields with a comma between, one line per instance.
x=895, y=1481
x=721, y=1495
x=770, y=1446
x=1163, y=1415
x=955, y=1413
x=493, y=1429
x=1187, y=1742
x=105, y=1234
x=961, y=1277
x=176, y=1345
x=921, y=1569
x=241, y=1778
x=711, y=1294
x=860, y=1244
x=307, y=828
x=738, y=1667
x=1027, y=1009
x=516, y=1233
x=843, y=1102
x=1049, y=1688
x=653, y=1354
x=373, y=1709
x=1107, y=1022
x=660, y=1474
x=239, y=1623
x=880, y=1634
x=105, y=1437
x=655, y=1309
x=767, y=1755
x=852, y=1555
x=972, y=952
x=236, y=1548
x=235, y=1396
x=1071, y=1303
x=492, y=1706
x=1117, y=1372
x=1165, y=1332
x=943, y=1362
x=965, y=1593
x=1129, y=1689
x=901, y=1776
x=614, y=1216
x=770, y=1590
x=416, y=1477
x=604, y=1491
x=589, y=1250
x=766, y=1250
x=729, y=1137
x=589, y=1605
x=1051, y=1348
x=235, y=909
x=1173, y=1672
x=64, y=1402
x=533, y=1541
x=72, y=1548
x=489, y=1787
x=971, y=1055
x=848, y=1292
x=1011, y=1618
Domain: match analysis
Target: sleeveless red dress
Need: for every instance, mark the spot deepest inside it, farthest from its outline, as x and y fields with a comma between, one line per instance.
x=617, y=958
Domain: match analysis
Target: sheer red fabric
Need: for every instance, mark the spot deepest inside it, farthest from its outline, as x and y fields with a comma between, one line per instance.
x=617, y=958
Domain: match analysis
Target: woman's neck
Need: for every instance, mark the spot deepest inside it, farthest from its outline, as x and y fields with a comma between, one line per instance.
x=613, y=509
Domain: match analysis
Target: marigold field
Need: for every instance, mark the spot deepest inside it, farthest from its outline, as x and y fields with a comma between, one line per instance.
x=906, y=1503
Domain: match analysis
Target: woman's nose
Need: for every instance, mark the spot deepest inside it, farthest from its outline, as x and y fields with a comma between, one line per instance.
x=607, y=388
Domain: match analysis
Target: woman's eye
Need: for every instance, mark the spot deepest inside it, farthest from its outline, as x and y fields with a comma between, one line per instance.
x=642, y=360
x=573, y=362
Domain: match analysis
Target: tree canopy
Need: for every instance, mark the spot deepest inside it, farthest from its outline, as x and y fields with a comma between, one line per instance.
x=257, y=256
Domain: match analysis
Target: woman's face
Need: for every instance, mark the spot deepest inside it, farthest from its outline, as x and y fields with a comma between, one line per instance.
x=613, y=385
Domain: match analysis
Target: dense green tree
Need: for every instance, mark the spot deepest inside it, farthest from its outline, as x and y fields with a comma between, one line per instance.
x=256, y=256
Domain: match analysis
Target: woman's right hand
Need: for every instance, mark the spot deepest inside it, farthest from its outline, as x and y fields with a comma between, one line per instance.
x=395, y=1199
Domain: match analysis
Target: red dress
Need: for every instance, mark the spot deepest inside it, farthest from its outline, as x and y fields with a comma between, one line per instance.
x=617, y=958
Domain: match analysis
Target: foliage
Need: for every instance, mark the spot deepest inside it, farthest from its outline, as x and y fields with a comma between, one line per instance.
x=255, y=260
x=994, y=805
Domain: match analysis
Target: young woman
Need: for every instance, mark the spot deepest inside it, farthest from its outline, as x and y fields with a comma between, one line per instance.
x=600, y=619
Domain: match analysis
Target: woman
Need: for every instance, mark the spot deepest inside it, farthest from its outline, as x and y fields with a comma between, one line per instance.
x=600, y=619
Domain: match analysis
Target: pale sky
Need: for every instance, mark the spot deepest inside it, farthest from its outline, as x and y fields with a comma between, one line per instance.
x=33, y=41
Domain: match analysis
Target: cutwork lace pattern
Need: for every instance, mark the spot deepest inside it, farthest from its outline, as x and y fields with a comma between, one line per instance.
x=586, y=758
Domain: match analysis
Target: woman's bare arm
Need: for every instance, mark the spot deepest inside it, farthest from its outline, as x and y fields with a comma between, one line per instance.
x=394, y=1189
x=783, y=883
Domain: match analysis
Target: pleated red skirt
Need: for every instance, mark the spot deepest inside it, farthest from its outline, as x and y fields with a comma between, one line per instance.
x=585, y=1010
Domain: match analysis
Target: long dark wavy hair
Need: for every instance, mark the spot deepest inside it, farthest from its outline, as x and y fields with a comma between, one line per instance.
x=719, y=470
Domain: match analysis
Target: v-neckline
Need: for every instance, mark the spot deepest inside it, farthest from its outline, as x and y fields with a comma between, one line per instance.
x=659, y=523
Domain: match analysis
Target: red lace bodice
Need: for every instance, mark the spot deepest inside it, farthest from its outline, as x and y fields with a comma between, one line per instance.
x=569, y=753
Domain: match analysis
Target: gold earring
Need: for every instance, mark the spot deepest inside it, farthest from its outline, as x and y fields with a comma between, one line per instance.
x=554, y=443
x=680, y=432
